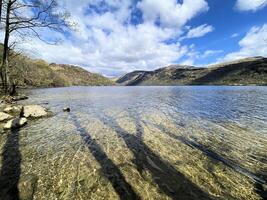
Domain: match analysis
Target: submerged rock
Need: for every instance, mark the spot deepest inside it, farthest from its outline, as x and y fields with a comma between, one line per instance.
x=34, y=111
x=66, y=109
x=27, y=186
x=15, y=123
x=4, y=116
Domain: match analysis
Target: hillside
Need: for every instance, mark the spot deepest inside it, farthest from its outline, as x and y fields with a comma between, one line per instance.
x=27, y=72
x=249, y=71
x=74, y=76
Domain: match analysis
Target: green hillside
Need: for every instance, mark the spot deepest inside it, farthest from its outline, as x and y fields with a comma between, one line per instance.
x=27, y=72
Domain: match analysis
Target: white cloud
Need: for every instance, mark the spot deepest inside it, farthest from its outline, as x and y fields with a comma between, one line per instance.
x=189, y=62
x=170, y=13
x=106, y=41
x=199, y=31
x=250, y=5
x=209, y=53
x=253, y=44
x=234, y=35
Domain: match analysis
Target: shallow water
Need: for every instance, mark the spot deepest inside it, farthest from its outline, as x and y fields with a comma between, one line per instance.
x=140, y=143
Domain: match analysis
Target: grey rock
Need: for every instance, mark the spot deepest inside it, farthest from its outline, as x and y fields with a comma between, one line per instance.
x=2, y=105
x=4, y=116
x=13, y=109
x=34, y=111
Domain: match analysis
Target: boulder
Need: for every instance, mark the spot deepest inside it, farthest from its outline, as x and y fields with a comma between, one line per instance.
x=15, y=123
x=2, y=105
x=8, y=109
x=13, y=109
x=4, y=116
x=34, y=111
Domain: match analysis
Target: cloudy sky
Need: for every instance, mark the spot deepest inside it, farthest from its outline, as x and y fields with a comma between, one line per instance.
x=117, y=36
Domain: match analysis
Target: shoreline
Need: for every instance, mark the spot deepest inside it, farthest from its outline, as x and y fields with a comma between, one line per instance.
x=15, y=115
x=153, y=85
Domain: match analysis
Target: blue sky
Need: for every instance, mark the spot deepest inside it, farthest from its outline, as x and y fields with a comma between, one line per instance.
x=114, y=37
x=227, y=21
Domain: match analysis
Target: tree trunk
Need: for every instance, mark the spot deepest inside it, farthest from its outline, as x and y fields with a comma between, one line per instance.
x=1, y=5
x=1, y=73
x=13, y=90
x=5, y=67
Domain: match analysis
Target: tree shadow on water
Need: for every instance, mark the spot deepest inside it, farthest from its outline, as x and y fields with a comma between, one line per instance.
x=10, y=171
x=259, y=179
x=260, y=189
x=109, y=169
x=169, y=181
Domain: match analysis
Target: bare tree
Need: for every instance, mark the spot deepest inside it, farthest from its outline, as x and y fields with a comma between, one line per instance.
x=25, y=18
x=1, y=4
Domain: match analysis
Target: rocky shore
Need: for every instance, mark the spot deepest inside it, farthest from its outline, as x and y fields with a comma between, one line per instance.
x=14, y=115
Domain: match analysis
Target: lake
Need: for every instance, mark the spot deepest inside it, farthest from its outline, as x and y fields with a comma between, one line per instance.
x=191, y=142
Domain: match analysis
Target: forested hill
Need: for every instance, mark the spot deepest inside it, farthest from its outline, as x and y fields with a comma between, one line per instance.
x=249, y=71
x=38, y=73
x=27, y=72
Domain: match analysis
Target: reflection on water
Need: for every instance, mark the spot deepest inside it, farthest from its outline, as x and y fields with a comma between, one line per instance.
x=142, y=143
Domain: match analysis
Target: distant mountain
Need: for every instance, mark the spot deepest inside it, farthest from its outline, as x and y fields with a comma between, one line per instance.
x=249, y=71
